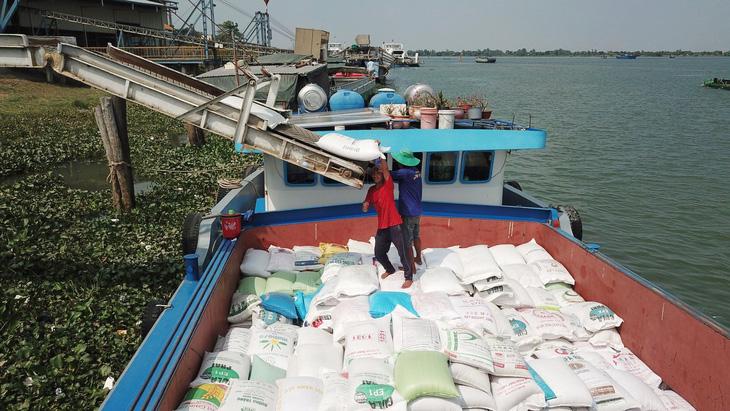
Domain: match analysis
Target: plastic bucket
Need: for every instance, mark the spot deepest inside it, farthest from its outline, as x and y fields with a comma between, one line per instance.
x=474, y=113
x=446, y=119
x=191, y=267
x=231, y=225
x=428, y=117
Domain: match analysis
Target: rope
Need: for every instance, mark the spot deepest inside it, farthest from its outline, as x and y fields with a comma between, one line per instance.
x=229, y=183
x=112, y=168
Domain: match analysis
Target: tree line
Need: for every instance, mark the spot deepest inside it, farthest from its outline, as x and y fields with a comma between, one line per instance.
x=523, y=52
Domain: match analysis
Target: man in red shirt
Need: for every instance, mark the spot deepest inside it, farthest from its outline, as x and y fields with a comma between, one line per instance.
x=382, y=198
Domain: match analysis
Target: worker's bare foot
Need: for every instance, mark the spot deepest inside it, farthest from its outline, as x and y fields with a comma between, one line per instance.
x=418, y=260
x=407, y=284
x=385, y=275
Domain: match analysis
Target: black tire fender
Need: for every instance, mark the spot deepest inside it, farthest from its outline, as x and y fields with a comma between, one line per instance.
x=190, y=231
x=576, y=224
x=151, y=313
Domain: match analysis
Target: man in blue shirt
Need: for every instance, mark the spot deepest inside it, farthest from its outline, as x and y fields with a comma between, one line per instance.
x=410, y=194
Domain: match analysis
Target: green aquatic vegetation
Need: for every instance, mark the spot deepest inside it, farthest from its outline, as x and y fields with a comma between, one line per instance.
x=76, y=274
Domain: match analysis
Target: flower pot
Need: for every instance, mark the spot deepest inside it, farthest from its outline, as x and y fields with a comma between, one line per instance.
x=415, y=112
x=401, y=122
x=458, y=113
x=474, y=113
x=465, y=107
x=486, y=114
x=428, y=117
x=446, y=119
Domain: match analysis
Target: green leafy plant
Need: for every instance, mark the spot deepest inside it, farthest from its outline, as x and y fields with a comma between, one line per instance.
x=424, y=99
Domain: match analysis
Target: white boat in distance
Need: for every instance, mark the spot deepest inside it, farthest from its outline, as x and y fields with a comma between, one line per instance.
x=400, y=55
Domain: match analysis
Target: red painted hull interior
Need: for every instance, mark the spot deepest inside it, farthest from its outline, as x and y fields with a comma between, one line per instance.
x=691, y=356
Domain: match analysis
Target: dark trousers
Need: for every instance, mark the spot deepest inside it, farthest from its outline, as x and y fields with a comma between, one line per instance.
x=383, y=239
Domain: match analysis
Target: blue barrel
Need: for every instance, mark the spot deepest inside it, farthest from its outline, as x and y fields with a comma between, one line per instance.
x=346, y=100
x=386, y=96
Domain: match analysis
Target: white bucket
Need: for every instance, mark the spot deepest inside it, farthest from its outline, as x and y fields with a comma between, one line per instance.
x=446, y=119
x=474, y=113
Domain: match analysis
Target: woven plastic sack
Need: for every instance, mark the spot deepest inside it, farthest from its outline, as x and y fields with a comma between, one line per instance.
x=355, y=280
x=531, y=251
x=514, y=295
x=252, y=285
x=250, y=396
x=335, y=392
x=309, y=335
x=506, y=254
x=368, y=339
x=272, y=346
x=645, y=395
x=255, y=262
x=441, y=279
x=222, y=367
x=348, y=147
x=312, y=360
x=673, y=401
x=307, y=281
x=564, y=294
x=464, y=346
x=236, y=339
x=423, y=373
x=435, y=404
x=607, y=338
x=203, y=397
x=542, y=298
x=319, y=317
x=281, y=259
x=509, y=392
x=307, y=258
x=262, y=318
x=330, y=249
x=265, y=372
x=523, y=335
x=478, y=264
x=561, y=386
x=242, y=306
x=475, y=399
x=348, y=311
x=280, y=303
x=480, y=316
x=298, y=394
x=302, y=302
x=551, y=271
x=594, y=316
x=371, y=386
x=549, y=324
x=434, y=306
x=361, y=247
x=415, y=334
x=281, y=282
x=626, y=360
x=506, y=359
x=467, y=375
x=602, y=387
x=383, y=303
x=523, y=274
x=445, y=258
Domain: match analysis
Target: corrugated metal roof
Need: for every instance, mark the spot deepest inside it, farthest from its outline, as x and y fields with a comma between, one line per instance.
x=281, y=58
x=225, y=72
x=150, y=3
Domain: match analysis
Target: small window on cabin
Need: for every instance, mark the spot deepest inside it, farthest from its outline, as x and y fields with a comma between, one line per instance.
x=326, y=181
x=442, y=167
x=476, y=166
x=298, y=176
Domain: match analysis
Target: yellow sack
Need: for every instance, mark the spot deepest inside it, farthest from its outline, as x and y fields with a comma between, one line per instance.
x=330, y=249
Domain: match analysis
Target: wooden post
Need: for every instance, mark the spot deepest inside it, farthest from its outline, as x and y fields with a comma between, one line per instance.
x=195, y=135
x=111, y=118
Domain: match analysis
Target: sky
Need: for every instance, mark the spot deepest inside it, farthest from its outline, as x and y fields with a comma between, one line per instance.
x=501, y=24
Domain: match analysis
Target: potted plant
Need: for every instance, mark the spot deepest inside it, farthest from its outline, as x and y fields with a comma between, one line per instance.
x=463, y=103
x=442, y=103
x=478, y=103
x=421, y=99
x=401, y=119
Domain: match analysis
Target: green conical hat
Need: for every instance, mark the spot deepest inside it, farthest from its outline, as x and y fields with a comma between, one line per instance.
x=406, y=158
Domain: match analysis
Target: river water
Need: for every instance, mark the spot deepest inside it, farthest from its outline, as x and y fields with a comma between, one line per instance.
x=637, y=146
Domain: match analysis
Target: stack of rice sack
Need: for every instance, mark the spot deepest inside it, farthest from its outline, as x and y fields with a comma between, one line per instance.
x=483, y=328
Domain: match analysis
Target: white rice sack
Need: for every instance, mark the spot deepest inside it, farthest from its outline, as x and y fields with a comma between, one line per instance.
x=626, y=360
x=356, y=280
x=320, y=317
x=435, y=404
x=255, y=262
x=262, y=319
x=330, y=271
x=306, y=258
x=551, y=271
x=236, y=339
x=434, y=306
x=541, y=298
x=523, y=335
x=464, y=346
x=272, y=346
x=203, y=396
x=360, y=247
x=523, y=274
x=509, y=392
x=394, y=281
x=415, y=334
x=480, y=315
x=368, y=339
x=444, y=258
x=348, y=147
x=490, y=290
x=372, y=386
x=506, y=254
x=335, y=392
x=471, y=398
x=515, y=295
x=548, y=324
x=478, y=264
x=641, y=392
x=299, y=394
x=607, y=338
x=312, y=335
x=250, y=396
x=281, y=259
x=242, y=306
x=488, y=283
x=441, y=279
x=562, y=387
x=599, y=384
x=673, y=401
x=531, y=251
x=222, y=367
x=312, y=360
x=588, y=353
x=327, y=295
x=349, y=311
x=594, y=316
x=507, y=361
x=473, y=377
x=564, y=294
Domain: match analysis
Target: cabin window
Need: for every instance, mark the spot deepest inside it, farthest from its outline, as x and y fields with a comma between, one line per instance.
x=476, y=166
x=298, y=176
x=326, y=181
x=441, y=167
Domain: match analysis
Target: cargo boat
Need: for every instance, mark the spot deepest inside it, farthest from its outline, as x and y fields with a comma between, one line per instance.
x=688, y=350
x=717, y=83
x=485, y=60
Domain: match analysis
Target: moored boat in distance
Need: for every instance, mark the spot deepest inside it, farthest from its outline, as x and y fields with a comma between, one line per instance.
x=627, y=56
x=400, y=55
x=485, y=60
x=718, y=83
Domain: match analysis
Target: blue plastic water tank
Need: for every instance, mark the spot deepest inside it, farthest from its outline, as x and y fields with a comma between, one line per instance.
x=346, y=100
x=386, y=96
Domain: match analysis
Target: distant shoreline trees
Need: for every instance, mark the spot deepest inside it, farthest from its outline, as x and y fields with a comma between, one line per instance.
x=564, y=53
